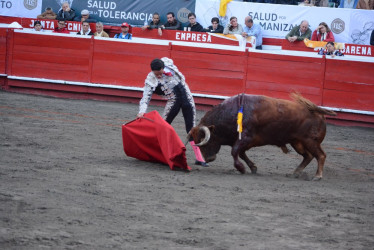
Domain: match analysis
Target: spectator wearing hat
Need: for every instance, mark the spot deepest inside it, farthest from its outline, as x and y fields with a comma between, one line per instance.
x=61, y=27
x=47, y=14
x=85, y=16
x=86, y=30
x=100, y=30
x=66, y=13
x=125, y=32
x=38, y=26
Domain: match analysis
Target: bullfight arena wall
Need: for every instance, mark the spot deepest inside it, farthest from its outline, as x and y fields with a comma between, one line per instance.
x=111, y=69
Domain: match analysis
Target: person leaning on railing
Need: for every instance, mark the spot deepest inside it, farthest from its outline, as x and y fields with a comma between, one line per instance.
x=215, y=27
x=100, y=30
x=233, y=27
x=193, y=25
x=66, y=13
x=47, y=14
x=330, y=50
x=299, y=32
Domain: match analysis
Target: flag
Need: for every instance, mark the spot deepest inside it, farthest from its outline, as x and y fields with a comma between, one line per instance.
x=223, y=7
x=240, y=122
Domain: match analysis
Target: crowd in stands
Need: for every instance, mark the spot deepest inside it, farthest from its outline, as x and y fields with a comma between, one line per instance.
x=251, y=29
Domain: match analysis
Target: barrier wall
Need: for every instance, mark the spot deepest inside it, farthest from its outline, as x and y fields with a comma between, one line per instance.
x=212, y=72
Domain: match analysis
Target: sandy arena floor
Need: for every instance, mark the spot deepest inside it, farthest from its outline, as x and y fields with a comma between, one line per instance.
x=65, y=183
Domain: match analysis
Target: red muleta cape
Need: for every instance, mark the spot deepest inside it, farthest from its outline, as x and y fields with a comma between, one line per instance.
x=153, y=139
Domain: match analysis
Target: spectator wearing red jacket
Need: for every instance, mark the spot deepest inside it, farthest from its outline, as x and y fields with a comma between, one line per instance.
x=61, y=27
x=323, y=33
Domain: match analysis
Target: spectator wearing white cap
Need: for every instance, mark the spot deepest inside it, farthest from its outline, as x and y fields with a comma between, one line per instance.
x=125, y=32
x=85, y=17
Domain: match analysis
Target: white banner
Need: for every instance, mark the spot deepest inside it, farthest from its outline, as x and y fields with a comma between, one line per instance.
x=277, y=20
x=20, y=8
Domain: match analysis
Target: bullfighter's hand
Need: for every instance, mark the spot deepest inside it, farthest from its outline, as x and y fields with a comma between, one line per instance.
x=140, y=115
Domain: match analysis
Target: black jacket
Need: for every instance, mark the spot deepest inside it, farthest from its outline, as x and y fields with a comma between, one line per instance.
x=218, y=30
x=66, y=15
x=173, y=26
x=197, y=27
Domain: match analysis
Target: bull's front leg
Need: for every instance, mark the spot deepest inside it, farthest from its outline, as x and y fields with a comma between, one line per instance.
x=235, y=154
x=250, y=164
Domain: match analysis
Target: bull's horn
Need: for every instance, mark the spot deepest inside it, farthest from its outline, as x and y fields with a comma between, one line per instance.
x=187, y=138
x=207, y=136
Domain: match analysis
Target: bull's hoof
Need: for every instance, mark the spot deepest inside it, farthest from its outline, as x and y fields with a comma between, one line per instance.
x=254, y=170
x=296, y=174
x=316, y=178
x=201, y=163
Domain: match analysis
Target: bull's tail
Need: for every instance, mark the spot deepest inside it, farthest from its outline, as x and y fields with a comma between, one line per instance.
x=310, y=105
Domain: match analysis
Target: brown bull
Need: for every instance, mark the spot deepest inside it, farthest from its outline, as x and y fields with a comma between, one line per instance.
x=266, y=121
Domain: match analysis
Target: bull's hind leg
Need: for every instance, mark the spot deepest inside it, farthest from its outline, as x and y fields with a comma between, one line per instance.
x=316, y=150
x=250, y=164
x=307, y=158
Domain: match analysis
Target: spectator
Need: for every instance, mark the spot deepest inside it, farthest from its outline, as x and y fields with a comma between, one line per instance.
x=166, y=80
x=348, y=4
x=306, y=3
x=372, y=38
x=323, y=33
x=215, y=27
x=100, y=30
x=233, y=27
x=47, y=14
x=85, y=16
x=365, y=4
x=38, y=26
x=155, y=24
x=193, y=25
x=299, y=32
x=125, y=32
x=61, y=27
x=66, y=13
x=330, y=50
x=86, y=30
x=172, y=23
x=252, y=29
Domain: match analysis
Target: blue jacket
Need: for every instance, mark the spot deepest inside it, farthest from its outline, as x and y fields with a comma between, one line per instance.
x=341, y=5
x=120, y=36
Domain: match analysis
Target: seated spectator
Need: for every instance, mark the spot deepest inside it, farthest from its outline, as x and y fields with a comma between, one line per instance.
x=233, y=27
x=365, y=4
x=155, y=24
x=323, y=33
x=85, y=16
x=306, y=3
x=348, y=4
x=372, y=38
x=172, y=23
x=125, y=32
x=47, y=14
x=61, y=27
x=299, y=32
x=86, y=30
x=66, y=13
x=38, y=26
x=193, y=25
x=100, y=30
x=252, y=29
x=215, y=27
x=330, y=50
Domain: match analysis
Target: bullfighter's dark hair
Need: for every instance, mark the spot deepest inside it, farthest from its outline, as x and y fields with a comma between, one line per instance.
x=157, y=64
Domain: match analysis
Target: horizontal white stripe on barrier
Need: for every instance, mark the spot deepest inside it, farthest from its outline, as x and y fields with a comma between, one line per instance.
x=97, y=85
x=3, y=74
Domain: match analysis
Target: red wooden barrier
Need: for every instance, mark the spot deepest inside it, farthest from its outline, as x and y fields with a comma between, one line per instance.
x=330, y=82
x=211, y=71
x=3, y=49
x=349, y=84
x=52, y=57
x=124, y=62
x=278, y=75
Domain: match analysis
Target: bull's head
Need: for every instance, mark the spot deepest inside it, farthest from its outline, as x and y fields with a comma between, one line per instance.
x=204, y=137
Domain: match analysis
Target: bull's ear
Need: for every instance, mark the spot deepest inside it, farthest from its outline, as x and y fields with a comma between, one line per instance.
x=211, y=128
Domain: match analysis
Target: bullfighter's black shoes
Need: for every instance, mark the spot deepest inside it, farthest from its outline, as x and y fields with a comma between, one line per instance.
x=202, y=163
